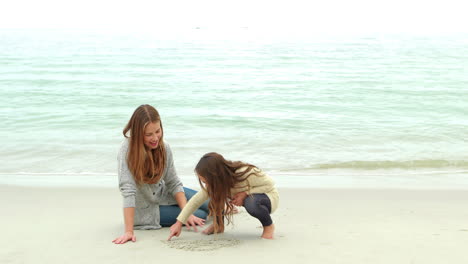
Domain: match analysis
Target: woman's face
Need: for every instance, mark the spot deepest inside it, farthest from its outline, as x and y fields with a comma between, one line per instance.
x=152, y=135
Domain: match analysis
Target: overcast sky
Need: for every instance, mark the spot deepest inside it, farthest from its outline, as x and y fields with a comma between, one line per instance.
x=278, y=16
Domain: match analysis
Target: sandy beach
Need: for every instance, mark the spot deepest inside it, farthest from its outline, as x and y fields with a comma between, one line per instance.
x=77, y=225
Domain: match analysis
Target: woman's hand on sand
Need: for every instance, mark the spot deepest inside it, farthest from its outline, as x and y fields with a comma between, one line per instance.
x=175, y=230
x=124, y=238
x=193, y=221
x=239, y=198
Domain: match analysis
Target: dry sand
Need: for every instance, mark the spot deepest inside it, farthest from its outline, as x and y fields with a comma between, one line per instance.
x=72, y=225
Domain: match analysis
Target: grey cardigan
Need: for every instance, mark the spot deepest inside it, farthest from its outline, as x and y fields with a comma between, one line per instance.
x=146, y=198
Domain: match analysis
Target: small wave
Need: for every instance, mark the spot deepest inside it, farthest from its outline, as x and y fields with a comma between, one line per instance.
x=386, y=164
x=58, y=173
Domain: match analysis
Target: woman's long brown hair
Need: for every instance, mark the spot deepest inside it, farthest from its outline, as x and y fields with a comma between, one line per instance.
x=146, y=165
x=220, y=175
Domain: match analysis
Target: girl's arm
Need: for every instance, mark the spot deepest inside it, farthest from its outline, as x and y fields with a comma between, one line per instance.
x=195, y=202
x=175, y=230
x=260, y=184
x=192, y=221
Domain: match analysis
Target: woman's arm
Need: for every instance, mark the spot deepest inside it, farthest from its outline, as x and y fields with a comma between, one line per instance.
x=172, y=181
x=127, y=183
x=181, y=200
x=127, y=188
x=129, y=214
x=176, y=228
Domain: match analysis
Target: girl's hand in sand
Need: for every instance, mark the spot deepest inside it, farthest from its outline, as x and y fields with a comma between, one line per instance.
x=175, y=230
x=193, y=221
x=124, y=238
x=209, y=230
x=239, y=198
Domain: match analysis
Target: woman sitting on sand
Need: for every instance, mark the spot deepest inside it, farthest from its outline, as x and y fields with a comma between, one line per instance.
x=148, y=181
x=226, y=184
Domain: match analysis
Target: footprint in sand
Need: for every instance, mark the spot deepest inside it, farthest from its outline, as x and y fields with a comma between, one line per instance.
x=201, y=245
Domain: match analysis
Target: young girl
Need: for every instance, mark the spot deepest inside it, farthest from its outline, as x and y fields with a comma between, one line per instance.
x=148, y=181
x=227, y=183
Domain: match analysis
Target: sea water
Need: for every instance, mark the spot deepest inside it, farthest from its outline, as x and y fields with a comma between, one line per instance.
x=322, y=110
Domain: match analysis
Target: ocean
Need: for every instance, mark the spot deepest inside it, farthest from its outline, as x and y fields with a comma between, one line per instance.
x=375, y=110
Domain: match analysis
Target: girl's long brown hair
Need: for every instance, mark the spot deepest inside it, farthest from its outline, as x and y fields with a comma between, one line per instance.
x=146, y=165
x=220, y=175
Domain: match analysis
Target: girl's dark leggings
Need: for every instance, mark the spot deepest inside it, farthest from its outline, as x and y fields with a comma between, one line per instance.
x=258, y=205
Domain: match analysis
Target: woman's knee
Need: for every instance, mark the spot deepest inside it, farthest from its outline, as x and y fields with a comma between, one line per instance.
x=201, y=214
x=189, y=193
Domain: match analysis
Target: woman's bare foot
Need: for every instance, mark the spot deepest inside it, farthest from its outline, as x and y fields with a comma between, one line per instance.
x=268, y=231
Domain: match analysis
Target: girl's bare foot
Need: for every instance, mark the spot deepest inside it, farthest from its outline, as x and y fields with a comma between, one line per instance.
x=268, y=231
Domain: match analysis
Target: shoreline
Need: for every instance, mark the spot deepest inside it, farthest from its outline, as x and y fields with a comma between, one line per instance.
x=77, y=225
x=324, y=179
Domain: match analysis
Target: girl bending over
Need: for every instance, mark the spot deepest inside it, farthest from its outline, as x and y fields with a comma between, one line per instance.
x=228, y=183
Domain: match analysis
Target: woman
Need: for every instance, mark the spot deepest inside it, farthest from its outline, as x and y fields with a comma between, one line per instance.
x=148, y=181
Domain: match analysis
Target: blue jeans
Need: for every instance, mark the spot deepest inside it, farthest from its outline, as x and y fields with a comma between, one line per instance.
x=169, y=213
x=258, y=205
